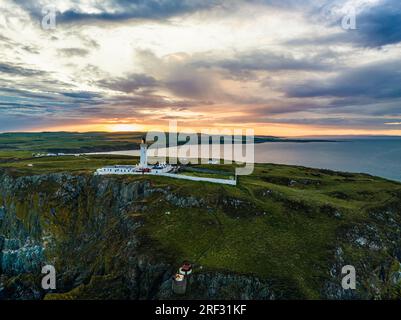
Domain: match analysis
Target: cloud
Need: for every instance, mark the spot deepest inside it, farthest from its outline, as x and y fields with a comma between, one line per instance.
x=188, y=82
x=235, y=61
x=14, y=69
x=129, y=83
x=121, y=10
x=378, y=81
x=69, y=52
x=379, y=25
x=81, y=95
x=271, y=61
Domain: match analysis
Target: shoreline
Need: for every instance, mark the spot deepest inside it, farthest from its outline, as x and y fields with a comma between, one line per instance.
x=364, y=166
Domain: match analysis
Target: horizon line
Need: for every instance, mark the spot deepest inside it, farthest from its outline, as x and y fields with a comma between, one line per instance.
x=256, y=135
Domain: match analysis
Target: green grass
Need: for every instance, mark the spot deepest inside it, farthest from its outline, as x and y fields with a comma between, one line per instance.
x=288, y=235
x=69, y=142
x=65, y=164
x=9, y=155
x=284, y=229
x=75, y=142
x=208, y=175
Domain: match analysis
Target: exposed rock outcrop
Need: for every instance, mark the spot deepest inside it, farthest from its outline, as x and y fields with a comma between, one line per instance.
x=89, y=228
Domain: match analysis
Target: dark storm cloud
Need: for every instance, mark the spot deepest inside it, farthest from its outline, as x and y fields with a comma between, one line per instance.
x=270, y=61
x=81, y=95
x=376, y=81
x=191, y=85
x=71, y=104
x=55, y=103
x=316, y=115
x=130, y=83
x=380, y=25
x=17, y=70
x=270, y=85
x=121, y=10
x=4, y=92
x=376, y=25
x=376, y=108
x=360, y=122
x=11, y=106
x=44, y=94
x=12, y=122
x=145, y=101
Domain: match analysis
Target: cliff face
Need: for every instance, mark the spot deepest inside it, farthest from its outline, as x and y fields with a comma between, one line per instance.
x=82, y=226
x=93, y=230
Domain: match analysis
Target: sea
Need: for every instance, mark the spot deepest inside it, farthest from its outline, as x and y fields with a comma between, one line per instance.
x=379, y=157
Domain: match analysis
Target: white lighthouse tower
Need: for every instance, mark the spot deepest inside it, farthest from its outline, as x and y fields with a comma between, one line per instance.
x=144, y=155
x=141, y=168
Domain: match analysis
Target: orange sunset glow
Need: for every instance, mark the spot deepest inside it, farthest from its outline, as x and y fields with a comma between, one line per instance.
x=275, y=68
x=279, y=130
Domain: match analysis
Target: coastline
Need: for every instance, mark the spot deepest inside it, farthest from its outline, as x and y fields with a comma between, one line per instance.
x=380, y=161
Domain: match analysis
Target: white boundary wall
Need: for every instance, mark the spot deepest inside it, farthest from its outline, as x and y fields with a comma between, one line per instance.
x=174, y=176
x=192, y=178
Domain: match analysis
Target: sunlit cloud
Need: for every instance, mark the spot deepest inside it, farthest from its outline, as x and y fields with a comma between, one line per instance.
x=281, y=67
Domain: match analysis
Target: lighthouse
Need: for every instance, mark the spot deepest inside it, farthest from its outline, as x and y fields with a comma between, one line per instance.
x=144, y=155
x=141, y=168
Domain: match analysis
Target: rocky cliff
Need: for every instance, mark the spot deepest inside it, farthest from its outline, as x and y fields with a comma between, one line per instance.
x=94, y=230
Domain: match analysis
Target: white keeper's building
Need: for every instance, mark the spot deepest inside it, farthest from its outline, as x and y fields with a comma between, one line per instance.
x=141, y=168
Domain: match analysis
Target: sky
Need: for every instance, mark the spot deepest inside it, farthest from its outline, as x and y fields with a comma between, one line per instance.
x=281, y=67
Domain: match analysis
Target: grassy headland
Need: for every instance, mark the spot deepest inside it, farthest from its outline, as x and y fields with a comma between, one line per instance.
x=282, y=222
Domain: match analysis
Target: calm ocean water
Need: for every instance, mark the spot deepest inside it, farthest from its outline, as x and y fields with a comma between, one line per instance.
x=378, y=157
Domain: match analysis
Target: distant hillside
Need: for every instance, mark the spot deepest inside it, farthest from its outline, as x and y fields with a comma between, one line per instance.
x=72, y=142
